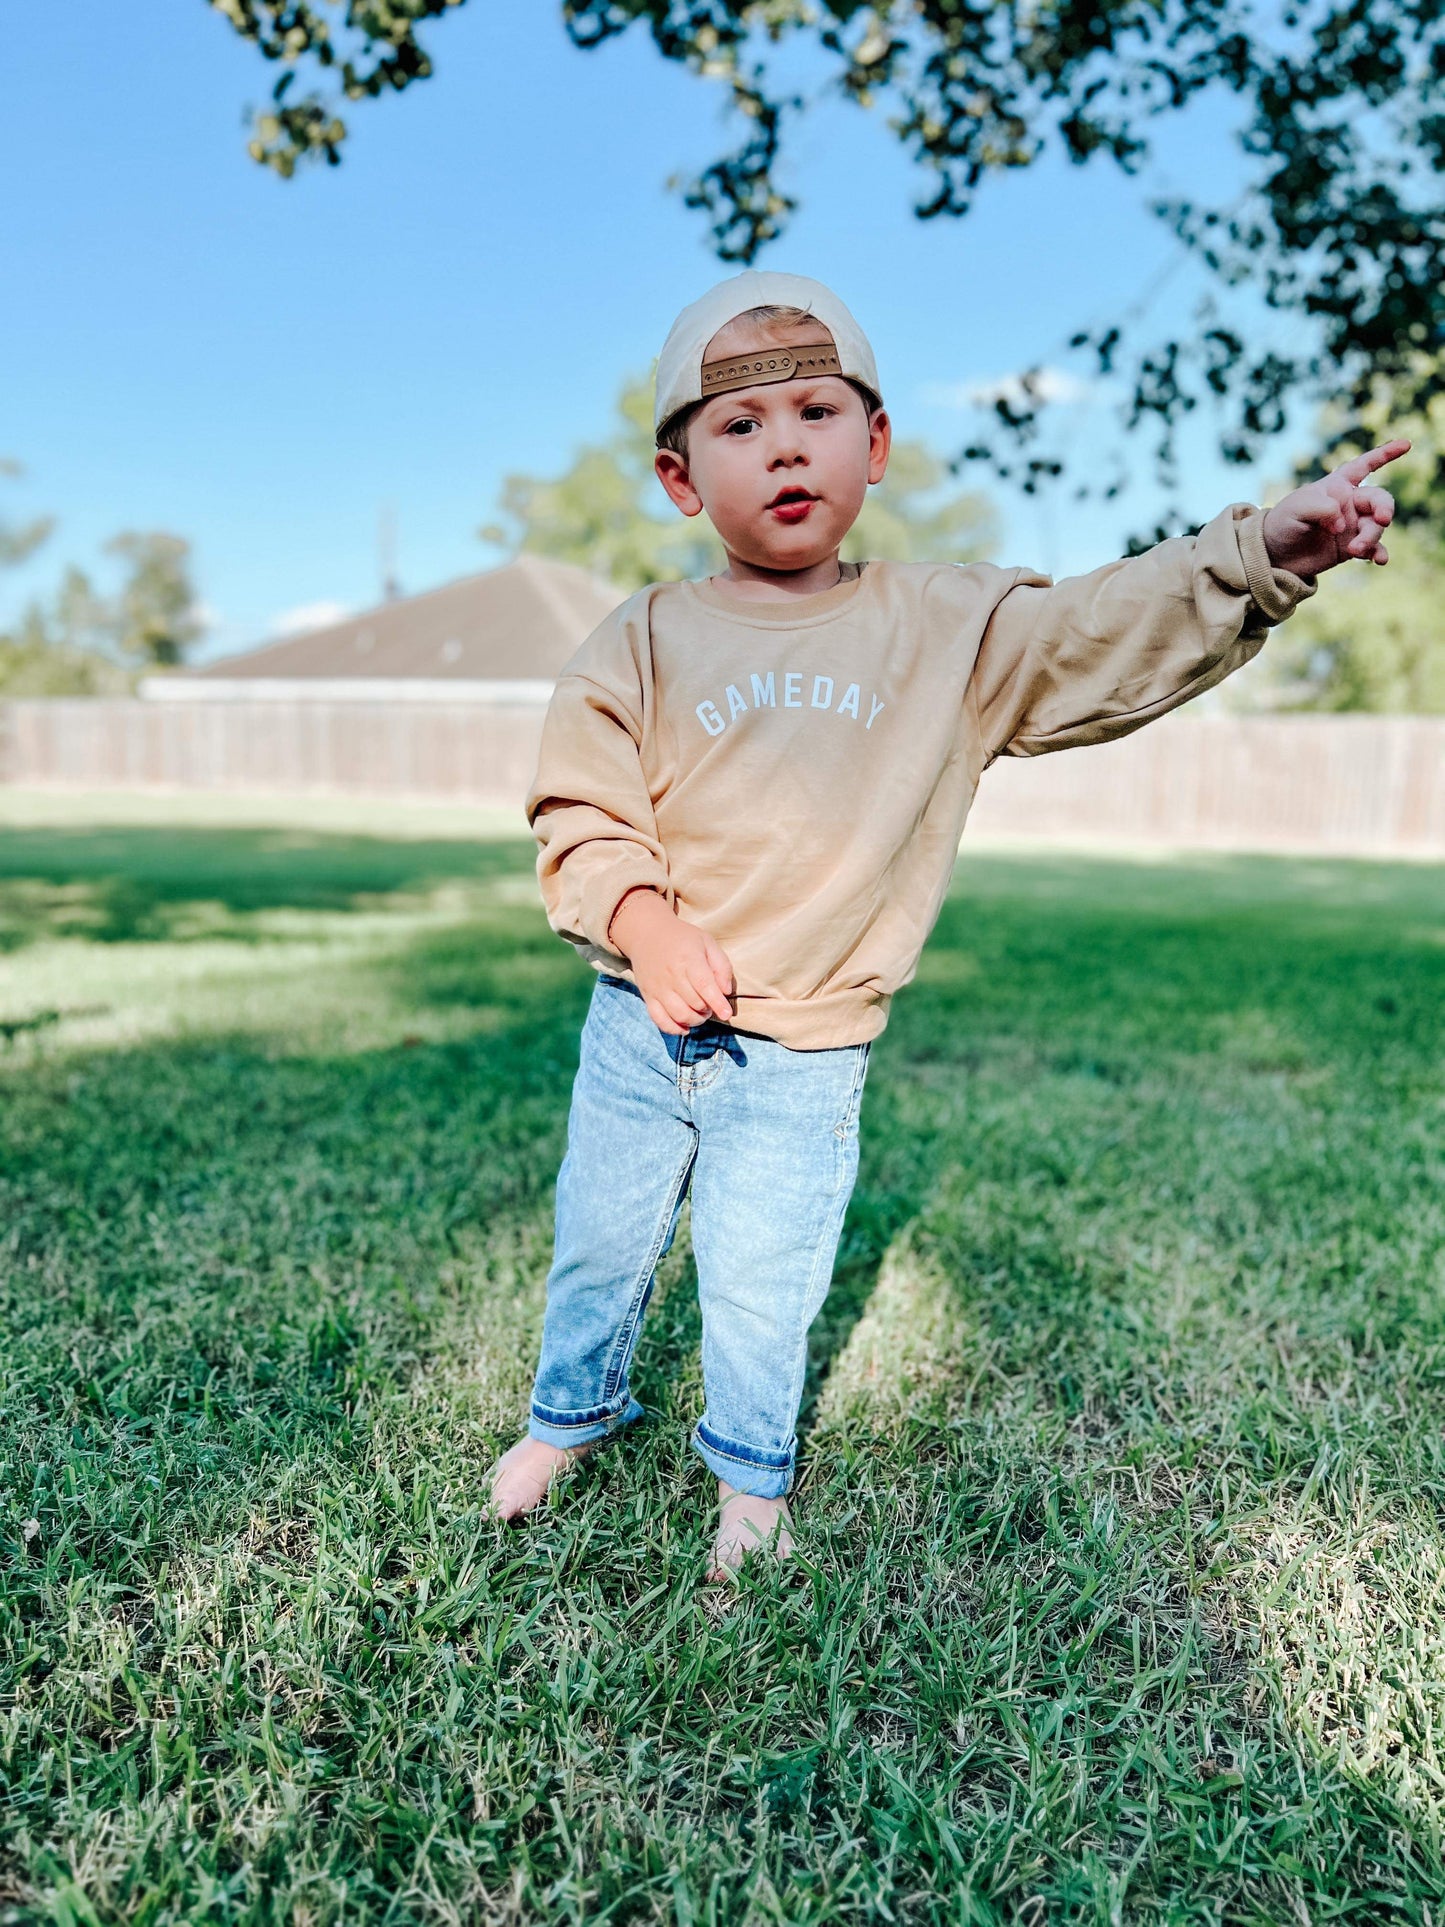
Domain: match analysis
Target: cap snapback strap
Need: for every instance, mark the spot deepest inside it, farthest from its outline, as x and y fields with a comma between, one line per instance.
x=778, y=364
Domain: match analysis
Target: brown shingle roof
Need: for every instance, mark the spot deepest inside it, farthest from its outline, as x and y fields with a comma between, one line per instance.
x=521, y=621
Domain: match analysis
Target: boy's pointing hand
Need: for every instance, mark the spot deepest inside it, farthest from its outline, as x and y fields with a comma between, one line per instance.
x=1339, y=518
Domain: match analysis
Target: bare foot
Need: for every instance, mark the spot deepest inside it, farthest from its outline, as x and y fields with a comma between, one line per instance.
x=746, y=1525
x=522, y=1476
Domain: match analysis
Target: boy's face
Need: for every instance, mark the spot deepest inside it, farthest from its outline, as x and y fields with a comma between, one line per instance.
x=802, y=438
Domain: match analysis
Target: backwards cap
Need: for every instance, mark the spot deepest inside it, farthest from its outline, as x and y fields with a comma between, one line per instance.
x=683, y=377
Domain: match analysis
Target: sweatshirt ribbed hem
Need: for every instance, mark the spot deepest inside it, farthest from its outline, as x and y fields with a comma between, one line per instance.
x=814, y=1023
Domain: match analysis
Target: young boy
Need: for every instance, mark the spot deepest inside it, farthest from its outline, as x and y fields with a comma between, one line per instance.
x=748, y=804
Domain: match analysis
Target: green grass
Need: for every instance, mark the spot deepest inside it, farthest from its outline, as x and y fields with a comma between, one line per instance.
x=1123, y=1464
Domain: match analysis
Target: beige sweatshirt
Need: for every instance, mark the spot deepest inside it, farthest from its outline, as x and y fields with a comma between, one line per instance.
x=793, y=775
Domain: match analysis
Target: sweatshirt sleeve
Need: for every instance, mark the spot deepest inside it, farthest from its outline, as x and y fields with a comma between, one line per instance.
x=589, y=805
x=1093, y=656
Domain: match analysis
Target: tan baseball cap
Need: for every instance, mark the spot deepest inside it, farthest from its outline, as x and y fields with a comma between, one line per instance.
x=684, y=378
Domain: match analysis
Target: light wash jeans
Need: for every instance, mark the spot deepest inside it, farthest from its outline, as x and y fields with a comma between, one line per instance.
x=767, y=1137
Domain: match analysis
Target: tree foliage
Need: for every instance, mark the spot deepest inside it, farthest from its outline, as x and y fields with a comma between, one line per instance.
x=599, y=513
x=904, y=518
x=608, y=512
x=85, y=642
x=38, y=659
x=1341, y=118
x=154, y=619
x=20, y=540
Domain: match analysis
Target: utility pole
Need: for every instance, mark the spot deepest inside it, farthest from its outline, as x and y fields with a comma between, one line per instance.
x=386, y=552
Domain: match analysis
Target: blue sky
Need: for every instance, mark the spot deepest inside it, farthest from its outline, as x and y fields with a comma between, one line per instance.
x=189, y=343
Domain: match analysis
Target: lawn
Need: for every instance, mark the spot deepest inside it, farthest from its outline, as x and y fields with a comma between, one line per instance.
x=1123, y=1597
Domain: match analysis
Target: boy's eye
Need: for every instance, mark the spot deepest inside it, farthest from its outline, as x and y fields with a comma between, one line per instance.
x=750, y=421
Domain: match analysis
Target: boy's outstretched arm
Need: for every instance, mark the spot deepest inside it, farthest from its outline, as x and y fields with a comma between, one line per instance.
x=1094, y=656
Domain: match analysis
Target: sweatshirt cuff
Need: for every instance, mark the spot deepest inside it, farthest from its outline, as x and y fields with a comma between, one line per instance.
x=602, y=893
x=1276, y=592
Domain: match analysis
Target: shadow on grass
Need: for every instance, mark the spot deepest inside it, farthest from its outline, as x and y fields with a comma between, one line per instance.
x=132, y=884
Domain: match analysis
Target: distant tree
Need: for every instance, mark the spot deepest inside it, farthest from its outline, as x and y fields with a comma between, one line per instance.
x=79, y=618
x=64, y=647
x=1340, y=224
x=19, y=541
x=82, y=642
x=35, y=660
x=607, y=511
x=597, y=513
x=155, y=620
x=905, y=519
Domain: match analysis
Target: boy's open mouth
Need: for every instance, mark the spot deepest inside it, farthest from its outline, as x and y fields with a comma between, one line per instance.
x=791, y=504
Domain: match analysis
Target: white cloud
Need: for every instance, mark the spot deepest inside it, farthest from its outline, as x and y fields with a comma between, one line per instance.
x=307, y=616
x=1050, y=384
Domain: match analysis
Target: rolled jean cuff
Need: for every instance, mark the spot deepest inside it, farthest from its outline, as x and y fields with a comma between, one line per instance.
x=746, y=1468
x=564, y=1429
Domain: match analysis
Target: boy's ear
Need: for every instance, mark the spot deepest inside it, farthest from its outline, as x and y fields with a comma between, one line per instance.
x=880, y=440
x=672, y=473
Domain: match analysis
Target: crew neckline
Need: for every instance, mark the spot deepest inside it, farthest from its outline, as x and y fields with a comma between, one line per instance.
x=781, y=612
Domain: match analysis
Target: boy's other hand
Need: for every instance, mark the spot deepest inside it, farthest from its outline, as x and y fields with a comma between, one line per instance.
x=683, y=972
x=1339, y=518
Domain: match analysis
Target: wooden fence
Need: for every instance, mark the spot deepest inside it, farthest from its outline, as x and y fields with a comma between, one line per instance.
x=1349, y=784
x=1363, y=784
x=478, y=751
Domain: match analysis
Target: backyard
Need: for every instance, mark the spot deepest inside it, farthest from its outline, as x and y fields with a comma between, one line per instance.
x=1122, y=1503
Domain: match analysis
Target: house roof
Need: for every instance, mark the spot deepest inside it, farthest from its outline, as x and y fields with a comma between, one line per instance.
x=519, y=622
